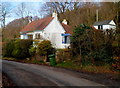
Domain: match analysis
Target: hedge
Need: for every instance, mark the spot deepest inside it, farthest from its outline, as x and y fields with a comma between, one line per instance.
x=18, y=48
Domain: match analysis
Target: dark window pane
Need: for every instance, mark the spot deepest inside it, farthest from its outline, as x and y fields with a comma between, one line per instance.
x=98, y=26
x=101, y=26
x=65, y=39
x=30, y=36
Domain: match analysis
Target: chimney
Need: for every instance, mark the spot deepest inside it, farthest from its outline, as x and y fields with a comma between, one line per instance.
x=54, y=15
x=64, y=21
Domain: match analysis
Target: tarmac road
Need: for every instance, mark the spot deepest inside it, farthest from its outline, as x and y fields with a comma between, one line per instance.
x=24, y=74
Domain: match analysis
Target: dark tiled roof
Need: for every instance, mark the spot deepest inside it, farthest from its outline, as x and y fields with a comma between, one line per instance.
x=67, y=28
x=37, y=25
x=102, y=22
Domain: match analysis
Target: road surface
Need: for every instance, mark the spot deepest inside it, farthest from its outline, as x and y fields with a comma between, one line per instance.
x=24, y=74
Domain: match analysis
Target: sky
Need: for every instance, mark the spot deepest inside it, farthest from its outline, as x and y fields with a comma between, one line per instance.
x=35, y=5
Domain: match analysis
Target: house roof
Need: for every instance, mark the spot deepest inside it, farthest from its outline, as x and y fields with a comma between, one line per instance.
x=41, y=24
x=93, y=27
x=67, y=28
x=102, y=22
x=37, y=25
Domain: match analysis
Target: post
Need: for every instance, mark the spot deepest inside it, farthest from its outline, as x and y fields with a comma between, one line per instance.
x=97, y=15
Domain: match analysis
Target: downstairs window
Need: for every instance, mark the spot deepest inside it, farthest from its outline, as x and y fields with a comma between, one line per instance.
x=66, y=38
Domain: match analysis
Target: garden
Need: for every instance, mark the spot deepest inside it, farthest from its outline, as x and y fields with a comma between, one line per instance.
x=90, y=51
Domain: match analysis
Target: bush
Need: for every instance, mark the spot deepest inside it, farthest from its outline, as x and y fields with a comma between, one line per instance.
x=45, y=48
x=21, y=49
x=116, y=63
x=8, y=49
x=17, y=48
x=32, y=50
x=63, y=55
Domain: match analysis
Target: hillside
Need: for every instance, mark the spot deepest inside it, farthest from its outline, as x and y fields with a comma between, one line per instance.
x=87, y=13
x=84, y=14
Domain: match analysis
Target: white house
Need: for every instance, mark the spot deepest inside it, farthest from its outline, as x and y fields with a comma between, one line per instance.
x=48, y=28
x=103, y=25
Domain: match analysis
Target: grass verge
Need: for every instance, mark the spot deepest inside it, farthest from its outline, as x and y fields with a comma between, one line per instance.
x=88, y=68
x=106, y=69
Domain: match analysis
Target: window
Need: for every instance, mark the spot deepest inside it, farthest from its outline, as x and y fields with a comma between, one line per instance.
x=100, y=26
x=37, y=36
x=30, y=36
x=65, y=38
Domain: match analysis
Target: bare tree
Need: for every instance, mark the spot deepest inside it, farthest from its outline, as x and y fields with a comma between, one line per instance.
x=5, y=10
x=49, y=7
x=22, y=10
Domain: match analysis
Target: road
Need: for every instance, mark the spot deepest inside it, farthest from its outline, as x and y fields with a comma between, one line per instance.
x=24, y=74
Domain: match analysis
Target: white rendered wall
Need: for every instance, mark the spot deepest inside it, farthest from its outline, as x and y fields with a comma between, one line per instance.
x=21, y=36
x=37, y=32
x=107, y=27
x=112, y=27
x=112, y=22
x=53, y=33
x=96, y=27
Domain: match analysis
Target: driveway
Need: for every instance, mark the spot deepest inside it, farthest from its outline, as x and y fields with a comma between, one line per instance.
x=24, y=74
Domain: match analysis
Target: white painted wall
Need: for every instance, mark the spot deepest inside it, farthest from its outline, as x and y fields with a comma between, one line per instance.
x=111, y=25
x=37, y=32
x=52, y=32
x=112, y=22
x=21, y=36
x=96, y=27
x=107, y=27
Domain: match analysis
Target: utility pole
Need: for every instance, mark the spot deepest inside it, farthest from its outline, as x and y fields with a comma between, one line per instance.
x=97, y=15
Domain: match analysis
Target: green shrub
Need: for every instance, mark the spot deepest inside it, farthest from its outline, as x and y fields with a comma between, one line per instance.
x=63, y=55
x=16, y=51
x=8, y=49
x=21, y=49
x=45, y=48
x=32, y=50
